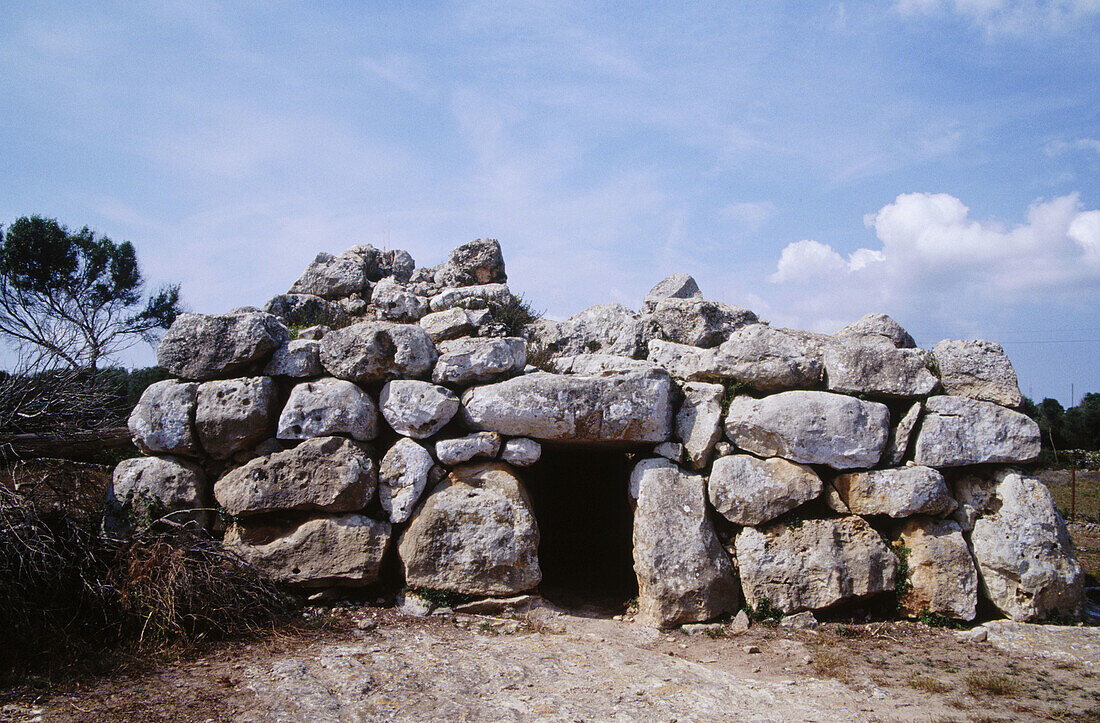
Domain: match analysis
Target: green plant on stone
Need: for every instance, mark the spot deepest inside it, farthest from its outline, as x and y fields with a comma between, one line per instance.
x=763, y=611
x=901, y=572
x=514, y=313
x=539, y=356
x=337, y=319
x=442, y=598
x=730, y=389
x=935, y=620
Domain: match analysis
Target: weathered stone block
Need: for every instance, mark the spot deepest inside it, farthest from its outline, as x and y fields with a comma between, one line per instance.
x=810, y=427
x=327, y=474
x=684, y=575
x=630, y=407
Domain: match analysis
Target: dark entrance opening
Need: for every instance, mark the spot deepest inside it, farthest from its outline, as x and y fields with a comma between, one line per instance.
x=580, y=499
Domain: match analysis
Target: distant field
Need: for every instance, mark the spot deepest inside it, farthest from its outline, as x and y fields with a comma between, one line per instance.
x=1088, y=492
x=1086, y=537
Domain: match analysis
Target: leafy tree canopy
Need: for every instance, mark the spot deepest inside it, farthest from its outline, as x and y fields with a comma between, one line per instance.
x=1074, y=428
x=74, y=298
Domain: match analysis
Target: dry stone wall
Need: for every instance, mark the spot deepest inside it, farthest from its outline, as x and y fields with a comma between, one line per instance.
x=775, y=467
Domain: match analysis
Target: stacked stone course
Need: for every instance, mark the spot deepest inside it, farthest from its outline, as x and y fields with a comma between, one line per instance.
x=775, y=465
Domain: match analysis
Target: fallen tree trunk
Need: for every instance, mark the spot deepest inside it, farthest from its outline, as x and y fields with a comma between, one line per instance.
x=75, y=445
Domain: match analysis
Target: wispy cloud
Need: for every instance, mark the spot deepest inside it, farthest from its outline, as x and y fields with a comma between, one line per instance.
x=1017, y=17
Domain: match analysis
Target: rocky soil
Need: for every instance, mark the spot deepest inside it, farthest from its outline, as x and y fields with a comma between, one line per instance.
x=375, y=664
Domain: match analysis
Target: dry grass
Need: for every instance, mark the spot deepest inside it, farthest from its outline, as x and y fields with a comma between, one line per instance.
x=927, y=683
x=991, y=684
x=1087, y=497
x=72, y=600
x=828, y=664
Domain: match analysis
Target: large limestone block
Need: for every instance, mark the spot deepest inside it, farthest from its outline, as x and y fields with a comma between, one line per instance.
x=898, y=492
x=810, y=427
x=326, y=407
x=977, y=369
x=699, y=421
x=880, y=325
x=145, y=489
x=873, y=365
x=597, y=365
x=298, y=359
x=698, y=322
x=629, y=407
x=333, y=277
x=402, y=478
x=942, y=578
x=471, y=360
x=319, y=552
x=449, y=324
x=675, y=286
x=304, y=310
x=603, y=328
x=1025, y=556
x=475, y=263
x=815, y=565
x=329, y=474
x=470, y=297
x=749, y=491
x=393, y=302
x=417, y=409
x=958, y=431
x=234, y=414
x=164, y=418
x=684, y=574
x=474, y=534
x=202, y=347
x=756, y=355
x=377, y=350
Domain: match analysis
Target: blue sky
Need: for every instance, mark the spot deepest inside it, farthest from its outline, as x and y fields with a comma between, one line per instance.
x=937, y=160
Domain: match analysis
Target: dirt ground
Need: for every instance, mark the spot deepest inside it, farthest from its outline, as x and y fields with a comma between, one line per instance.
x=375, y=664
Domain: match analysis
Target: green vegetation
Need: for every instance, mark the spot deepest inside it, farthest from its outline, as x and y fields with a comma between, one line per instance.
x=1076, y=428
x=763, y=611
x=72, y=299
x=442, y=598
x=514, y=314
x=730, y=389
x=312, y=316
x=901, y=572
x=934, y=620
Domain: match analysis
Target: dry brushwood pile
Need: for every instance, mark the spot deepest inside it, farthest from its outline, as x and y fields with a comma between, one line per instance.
x=781, y=470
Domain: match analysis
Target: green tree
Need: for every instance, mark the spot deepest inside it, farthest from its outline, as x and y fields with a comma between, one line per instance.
x=1083, y=423
x=73, y=299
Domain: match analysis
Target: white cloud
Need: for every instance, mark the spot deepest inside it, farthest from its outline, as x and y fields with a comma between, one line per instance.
x=936, y=260
x=807, y=259
x=1085, y=231
x=1058, y=147
x=1017, y=17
